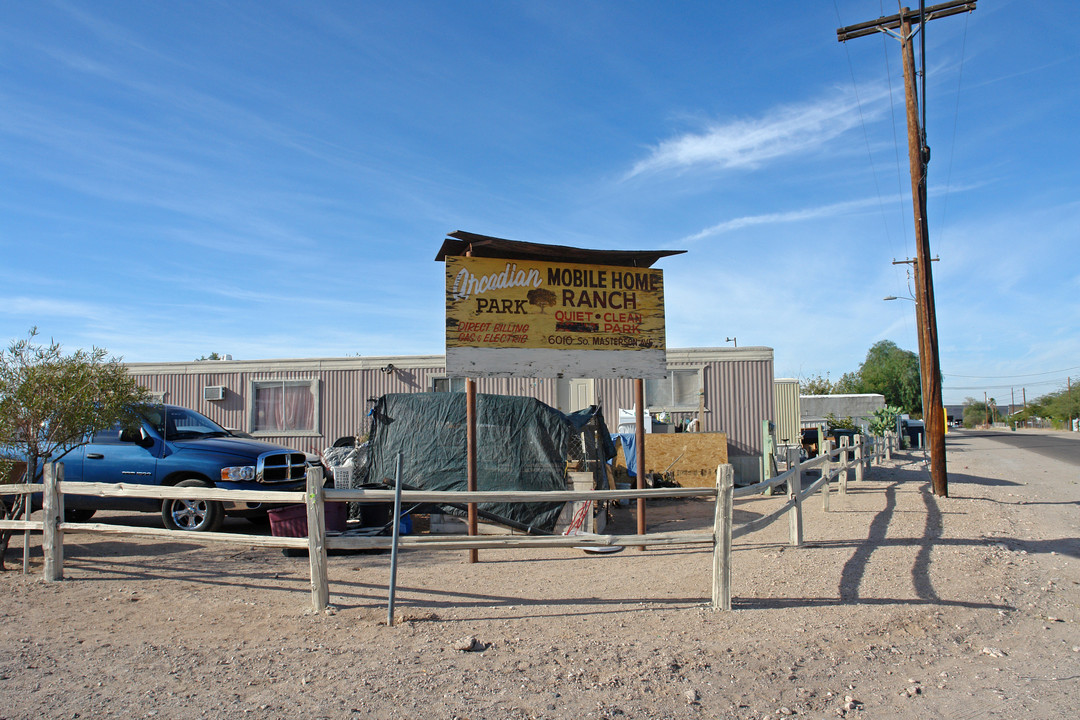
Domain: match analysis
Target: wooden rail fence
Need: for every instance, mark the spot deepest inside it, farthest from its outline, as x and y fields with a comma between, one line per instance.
x=834, y=464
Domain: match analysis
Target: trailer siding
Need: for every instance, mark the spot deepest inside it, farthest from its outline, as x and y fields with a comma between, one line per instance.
x=737, y=390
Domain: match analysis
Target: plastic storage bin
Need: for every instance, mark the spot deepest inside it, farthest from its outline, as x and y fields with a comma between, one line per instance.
x=291, y=520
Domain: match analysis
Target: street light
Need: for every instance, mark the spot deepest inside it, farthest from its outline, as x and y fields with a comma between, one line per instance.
x=734, y=340
x=893, y=297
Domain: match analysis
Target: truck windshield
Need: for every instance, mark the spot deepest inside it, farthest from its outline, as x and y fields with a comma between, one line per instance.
x=174, y=423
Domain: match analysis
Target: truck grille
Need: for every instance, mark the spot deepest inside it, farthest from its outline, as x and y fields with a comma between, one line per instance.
x=281, y=467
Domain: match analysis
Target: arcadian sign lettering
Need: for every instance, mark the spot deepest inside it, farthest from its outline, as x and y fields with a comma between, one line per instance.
x=498, y=303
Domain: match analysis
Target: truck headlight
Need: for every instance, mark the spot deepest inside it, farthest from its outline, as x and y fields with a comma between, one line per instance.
x=238, y=473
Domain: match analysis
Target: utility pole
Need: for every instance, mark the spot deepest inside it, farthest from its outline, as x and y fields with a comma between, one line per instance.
x=920, y=322
x=918, y=157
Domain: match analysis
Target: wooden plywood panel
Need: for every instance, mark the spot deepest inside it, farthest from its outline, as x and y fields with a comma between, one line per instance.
x=689, y=458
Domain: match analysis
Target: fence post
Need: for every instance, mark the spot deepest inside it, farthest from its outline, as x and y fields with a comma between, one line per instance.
x=888, y=446
x=316, y=521
x=28, y=508
x=795, y=493
x=52, y=541
x=845, y=464
x=826, y=470
x=721, y=580
x=860, y=458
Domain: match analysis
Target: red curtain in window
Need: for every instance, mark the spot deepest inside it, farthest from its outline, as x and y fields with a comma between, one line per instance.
x=268, y=407
x=283, y=408
x=298, y=408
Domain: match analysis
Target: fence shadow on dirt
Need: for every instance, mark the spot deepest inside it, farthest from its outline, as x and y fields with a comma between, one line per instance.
x=850, y=586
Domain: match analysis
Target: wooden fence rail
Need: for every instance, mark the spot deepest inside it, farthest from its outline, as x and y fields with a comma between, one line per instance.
x=834, y=464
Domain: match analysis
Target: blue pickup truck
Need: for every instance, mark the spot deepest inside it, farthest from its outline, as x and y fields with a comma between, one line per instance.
x=179, y=447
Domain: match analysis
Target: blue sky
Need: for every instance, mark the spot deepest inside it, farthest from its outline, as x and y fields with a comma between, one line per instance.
x=274, y=179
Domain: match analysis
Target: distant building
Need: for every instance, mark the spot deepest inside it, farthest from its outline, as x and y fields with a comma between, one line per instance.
x=859, y=407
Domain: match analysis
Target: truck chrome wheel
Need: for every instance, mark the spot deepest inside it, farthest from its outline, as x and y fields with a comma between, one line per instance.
x=192, y=514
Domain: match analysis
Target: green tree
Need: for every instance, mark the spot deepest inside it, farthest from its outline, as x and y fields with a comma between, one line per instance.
x=850, y=383
x=1061, y=405
x=976, y=412
x=50, y=403
x=835, y=423
x=816, y=385
x=894, y=373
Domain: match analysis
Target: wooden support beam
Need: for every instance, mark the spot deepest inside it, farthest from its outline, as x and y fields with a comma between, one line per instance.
x=722, y=521
x=826, y=472
x=470, y=460
x=639, y=447
x=21, y=525
x=845, y=467
x=512, y=542
x=795, y=520
x=180, y=536
x=461, y=496
x=161, y=492
x=316, y=521
x=860, y=458
x=52, y=541
x=893, y=22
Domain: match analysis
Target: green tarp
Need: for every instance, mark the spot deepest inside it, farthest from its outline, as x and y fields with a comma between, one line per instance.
x=522, y=444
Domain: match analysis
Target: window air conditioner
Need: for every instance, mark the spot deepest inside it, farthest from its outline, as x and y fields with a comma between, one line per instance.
x=213, y=392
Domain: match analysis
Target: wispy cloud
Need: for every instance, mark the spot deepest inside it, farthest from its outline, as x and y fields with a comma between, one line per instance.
x=749, y=143
x=815, y=213
x=105, y=31
x=41, y=307
x=791, y=216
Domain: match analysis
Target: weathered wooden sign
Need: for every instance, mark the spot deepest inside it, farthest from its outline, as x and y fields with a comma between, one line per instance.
x=546, y=319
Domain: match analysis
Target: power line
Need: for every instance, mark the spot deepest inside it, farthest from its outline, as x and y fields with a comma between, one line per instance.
x=1003, y=387
x=956, y=122
x=866, y=139
x=896, y=149
x=870, y=155
x=1010, y=377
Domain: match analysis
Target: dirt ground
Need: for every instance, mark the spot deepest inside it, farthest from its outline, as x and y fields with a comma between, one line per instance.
x=899, y=605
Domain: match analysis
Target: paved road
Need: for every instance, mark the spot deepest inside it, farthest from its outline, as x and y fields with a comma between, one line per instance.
x=1059, y=446
x=1042, y=473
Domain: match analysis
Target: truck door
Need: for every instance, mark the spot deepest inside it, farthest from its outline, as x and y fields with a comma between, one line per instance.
x=114, y=456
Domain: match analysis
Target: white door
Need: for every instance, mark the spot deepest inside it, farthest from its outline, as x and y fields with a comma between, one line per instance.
x=574, y=394
x=582, y=394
